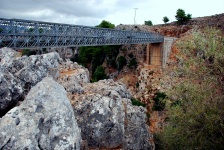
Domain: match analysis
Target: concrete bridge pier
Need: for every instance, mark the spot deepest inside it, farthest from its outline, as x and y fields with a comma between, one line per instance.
x=157, y=54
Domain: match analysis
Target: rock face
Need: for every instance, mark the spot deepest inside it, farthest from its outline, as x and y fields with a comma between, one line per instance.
x=108, y=119
x=73, y=77
x=18, y=74
x=45, y=120
x=10, y=90
x=31, y=70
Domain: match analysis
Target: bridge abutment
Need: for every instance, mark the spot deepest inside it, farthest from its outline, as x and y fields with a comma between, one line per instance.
x=157, y=54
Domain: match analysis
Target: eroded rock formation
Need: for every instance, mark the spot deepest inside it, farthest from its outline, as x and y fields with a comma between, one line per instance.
x=106, y=119
x=19, y=74
x=45, y=120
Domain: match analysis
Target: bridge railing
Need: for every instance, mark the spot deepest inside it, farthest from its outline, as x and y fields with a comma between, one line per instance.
x=19, y=33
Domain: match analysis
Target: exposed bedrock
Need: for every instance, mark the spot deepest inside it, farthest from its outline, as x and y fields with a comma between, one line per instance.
x=19, y=74
x=44, y=120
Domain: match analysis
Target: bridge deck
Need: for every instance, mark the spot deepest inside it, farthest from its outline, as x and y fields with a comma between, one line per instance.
x=18, y=33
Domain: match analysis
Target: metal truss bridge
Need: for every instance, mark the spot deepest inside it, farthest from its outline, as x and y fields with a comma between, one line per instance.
x=17, y=33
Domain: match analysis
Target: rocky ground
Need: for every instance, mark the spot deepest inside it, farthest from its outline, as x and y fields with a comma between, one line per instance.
x=49, y=104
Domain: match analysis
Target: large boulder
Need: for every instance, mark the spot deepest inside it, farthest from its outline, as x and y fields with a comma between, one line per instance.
x=44, y=120
x=31, y=70
x=10, y=91
x=19, y=74
x=7, y=55
x=107, y=118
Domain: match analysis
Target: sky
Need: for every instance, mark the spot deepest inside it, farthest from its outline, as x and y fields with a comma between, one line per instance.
x=92, y=12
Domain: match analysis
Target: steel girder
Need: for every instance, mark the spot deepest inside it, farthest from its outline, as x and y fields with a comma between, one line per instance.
x=18, y=33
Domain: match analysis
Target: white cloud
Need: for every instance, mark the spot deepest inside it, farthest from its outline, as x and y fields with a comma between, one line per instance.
x=92, y=12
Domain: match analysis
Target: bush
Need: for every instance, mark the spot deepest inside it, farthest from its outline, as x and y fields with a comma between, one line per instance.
x=149, y=23
x=28, y=52
x=195, y=105
x=121, y=62
x=137, y=102
x=132, y=63
x=99, y=74
x=159, y=101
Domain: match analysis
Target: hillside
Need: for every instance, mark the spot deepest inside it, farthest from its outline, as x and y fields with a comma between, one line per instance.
x=146, y=80
x=174, y=30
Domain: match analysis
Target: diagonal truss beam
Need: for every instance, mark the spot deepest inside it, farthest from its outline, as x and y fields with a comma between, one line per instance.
x=17, y=33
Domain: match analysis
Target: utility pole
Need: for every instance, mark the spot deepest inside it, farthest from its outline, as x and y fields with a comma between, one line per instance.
x=135, y=15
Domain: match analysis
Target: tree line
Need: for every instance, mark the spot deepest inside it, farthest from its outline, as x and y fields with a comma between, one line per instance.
x=180, y=16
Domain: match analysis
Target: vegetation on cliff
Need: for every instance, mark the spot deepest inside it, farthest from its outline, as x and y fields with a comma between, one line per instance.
x=195, y=105
x=149, y=23
x=92, y=57
x=182, y=17
x=166, y=19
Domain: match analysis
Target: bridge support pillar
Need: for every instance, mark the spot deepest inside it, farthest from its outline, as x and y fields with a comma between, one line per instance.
x=157, y=54
x=154, y=54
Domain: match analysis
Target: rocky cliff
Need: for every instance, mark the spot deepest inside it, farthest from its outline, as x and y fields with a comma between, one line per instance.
x=39, y=113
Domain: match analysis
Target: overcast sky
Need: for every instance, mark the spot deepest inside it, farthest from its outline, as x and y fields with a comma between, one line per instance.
x=92, y=12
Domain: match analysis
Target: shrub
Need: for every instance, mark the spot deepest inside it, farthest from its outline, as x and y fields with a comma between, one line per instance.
x=132, y=63
x=195, y=105
x=159, y=101
x=149, y=23
x=121, y=62
x=99, y=74
x=28, y=52
x=137, y=102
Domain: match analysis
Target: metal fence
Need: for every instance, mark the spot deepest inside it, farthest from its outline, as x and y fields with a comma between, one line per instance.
x=17, y=33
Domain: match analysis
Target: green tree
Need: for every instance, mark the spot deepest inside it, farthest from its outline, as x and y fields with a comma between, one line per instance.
x=182, y=17
x=106, y=24
x=195, y=103
x=149, y=23
x=99, y=74
x=165, y=19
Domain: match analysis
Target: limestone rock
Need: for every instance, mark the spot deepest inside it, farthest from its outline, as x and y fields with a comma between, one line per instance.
x=10, y=90
x=45, y=120
x=7, y=54
x=34, y=68
x=19, y=74
x=107, y=118
x=136, y=133
x=73, y=77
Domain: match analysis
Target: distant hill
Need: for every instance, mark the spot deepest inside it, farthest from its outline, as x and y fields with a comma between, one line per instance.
x=174, y=30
